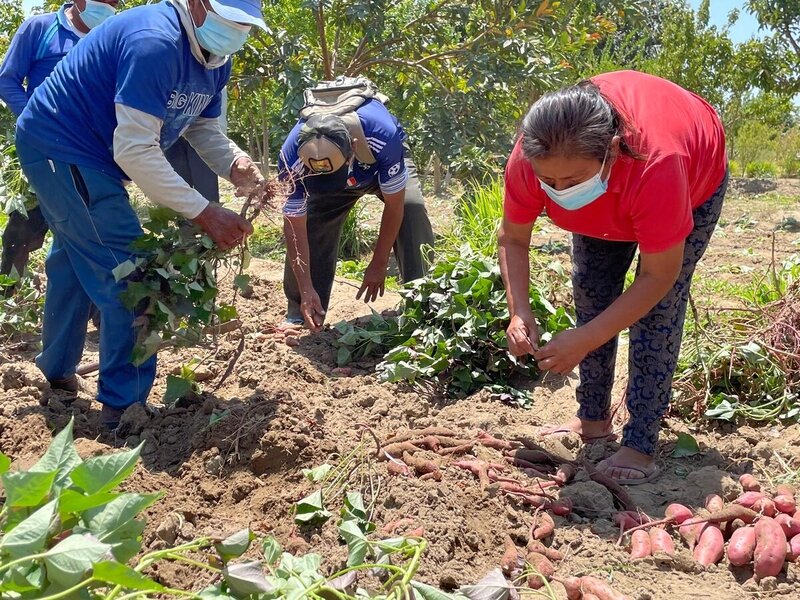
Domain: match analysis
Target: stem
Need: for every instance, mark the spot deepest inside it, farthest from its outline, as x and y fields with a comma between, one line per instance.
x=194, y=563
x=66, y=593
x=19, y=561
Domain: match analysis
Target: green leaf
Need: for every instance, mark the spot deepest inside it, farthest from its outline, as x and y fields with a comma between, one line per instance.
x=30, y=535
x=242, y=281
x=116, y=573
x=357, y=544
x=247, y=578
x=122, y=270
x=177, y=388
x=105, y=523
x=227, y=313
x=103, y=473
x=311, y=510
x=61, y=456
x=427, y=592
x=68, y=561
x=343, y=356
x=685, y=446
x=317, y=474
x=72, y=501
x=22, y=578
x=235, y=545
x=5, y=463
x=271, y=549
x=27, y=488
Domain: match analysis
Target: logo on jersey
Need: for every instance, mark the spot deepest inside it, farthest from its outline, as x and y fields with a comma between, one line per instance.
x=192, y=104
x=394, y=169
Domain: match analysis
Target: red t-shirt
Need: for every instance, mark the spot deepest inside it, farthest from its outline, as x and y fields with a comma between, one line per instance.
x=648, y=201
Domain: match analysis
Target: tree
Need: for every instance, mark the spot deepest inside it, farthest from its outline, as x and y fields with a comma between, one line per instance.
x=782, y=48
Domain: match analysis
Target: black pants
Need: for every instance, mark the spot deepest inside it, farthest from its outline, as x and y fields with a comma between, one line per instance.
x=325, y=218
x=25, y=235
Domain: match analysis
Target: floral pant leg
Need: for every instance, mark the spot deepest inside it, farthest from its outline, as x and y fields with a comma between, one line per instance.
x=655, y=340
x=598, y=276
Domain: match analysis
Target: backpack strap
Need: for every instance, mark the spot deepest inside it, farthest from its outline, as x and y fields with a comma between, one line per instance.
x=360, y=147
x=48, y=36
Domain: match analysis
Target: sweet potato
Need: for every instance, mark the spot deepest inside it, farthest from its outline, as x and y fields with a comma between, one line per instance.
x=397, y=449
x=678, y=513
x=551, y=553
x=729, y=513
x=691, y=531
x=562, y=507
x=785, y=490
x=565, y=474
x=532, y=456
x=710, y=546
x=741, y=546
x=793, y=552
x=625, y=521
x=490, y=441
x=785, y=504
x=573, y=587
x=660, y=542
x=419, y=433
x=422, y=466
x=542, y=526
x=542, y=565
x=590, y=597
x=511, y=560
x=640, y=544
x=598, y=587
x=765, y=506
x=731, y=527
x=714, y=502
x=748, y=499
x=770, y=552
x=749, y=483
x=790, y=526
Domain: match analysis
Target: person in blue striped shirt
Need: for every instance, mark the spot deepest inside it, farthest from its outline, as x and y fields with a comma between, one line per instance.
x=330, y=162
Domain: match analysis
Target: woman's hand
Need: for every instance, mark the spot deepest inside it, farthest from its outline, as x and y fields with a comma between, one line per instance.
x=564, y=352
x=523, y=334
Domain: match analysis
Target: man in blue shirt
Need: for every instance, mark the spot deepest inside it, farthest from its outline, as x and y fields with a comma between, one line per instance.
x=331, y=165
x=38, y=46
x=104, y=116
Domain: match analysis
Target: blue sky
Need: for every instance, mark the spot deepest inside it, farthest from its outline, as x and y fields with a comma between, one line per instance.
x=745, y=28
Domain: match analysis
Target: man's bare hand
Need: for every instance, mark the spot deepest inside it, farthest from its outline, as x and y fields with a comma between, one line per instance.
x=224, y=227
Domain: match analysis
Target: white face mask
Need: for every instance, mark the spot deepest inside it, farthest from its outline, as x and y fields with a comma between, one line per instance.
x=579, y=195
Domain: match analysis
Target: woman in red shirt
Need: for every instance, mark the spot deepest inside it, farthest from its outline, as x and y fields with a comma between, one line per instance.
x=624, y=160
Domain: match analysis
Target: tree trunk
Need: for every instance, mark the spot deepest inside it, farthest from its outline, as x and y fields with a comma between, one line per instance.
x=264, y=139
x=323, y=42
x=437, y=175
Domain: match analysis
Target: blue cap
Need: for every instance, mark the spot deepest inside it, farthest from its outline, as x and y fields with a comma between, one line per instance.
x=240, y=11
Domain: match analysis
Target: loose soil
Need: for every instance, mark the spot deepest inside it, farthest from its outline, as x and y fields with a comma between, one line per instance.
x=232, y=457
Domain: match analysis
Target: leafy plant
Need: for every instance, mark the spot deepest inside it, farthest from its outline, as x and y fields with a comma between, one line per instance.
x=356, y=238
x=451, y=332
x=761, y=169
x=15, y=192
x=20, y=310
x=172, y=283
x=181, y=385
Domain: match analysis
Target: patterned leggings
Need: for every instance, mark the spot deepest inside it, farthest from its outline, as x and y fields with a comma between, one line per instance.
x=598, y=277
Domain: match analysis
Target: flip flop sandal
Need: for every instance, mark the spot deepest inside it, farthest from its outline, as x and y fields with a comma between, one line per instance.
x=586, y=439
x=647, y=476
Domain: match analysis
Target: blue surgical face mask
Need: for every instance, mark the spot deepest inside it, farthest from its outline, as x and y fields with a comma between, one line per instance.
x=220, y=36
x=579, y=195
x=96, y=12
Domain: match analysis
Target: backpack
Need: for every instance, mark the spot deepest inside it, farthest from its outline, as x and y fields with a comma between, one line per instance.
x=341, y=97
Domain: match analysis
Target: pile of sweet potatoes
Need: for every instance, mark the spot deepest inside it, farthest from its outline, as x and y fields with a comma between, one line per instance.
x=761, y=529
x=537, y=562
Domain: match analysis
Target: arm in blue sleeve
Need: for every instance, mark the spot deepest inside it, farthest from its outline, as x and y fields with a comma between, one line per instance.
x=15, y=68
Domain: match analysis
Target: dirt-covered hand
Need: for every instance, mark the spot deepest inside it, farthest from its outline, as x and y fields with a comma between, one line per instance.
x=224, y=227
x=374, y=280
x=246, y=177
x=564, y=352
x=522, y=334
x=311, y=309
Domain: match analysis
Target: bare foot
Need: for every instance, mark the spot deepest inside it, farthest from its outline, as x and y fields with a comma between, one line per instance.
x=589, y=431
x=629, y=467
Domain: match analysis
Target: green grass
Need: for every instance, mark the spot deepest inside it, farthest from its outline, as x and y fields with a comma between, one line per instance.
x=267, y=242
x=354, y=269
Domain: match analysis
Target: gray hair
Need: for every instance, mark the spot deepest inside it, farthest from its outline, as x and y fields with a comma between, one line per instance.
x=573, y=121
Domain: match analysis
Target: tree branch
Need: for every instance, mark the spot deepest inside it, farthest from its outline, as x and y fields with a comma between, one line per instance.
x=323, y=42
x=404, y=63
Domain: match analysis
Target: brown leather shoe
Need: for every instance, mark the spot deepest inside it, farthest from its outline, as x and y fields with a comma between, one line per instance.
x=67, y=387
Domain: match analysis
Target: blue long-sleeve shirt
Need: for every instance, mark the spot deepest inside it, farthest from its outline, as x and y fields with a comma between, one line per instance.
x=37, y=47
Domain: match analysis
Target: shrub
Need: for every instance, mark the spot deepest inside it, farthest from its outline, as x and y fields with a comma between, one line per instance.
x=735, y=168
x=761, y=170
